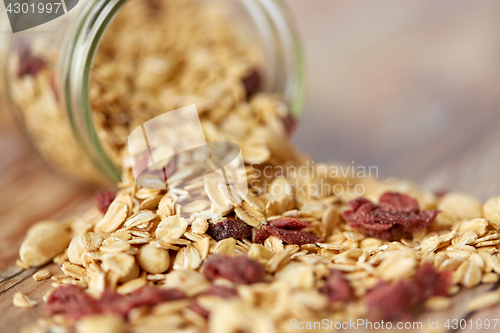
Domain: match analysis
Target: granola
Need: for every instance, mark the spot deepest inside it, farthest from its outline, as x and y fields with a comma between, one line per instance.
x=189, y=258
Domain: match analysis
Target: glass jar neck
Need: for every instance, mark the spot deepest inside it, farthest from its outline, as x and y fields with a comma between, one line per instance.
x=81, y=46
x=285, y=66
x=284, y=72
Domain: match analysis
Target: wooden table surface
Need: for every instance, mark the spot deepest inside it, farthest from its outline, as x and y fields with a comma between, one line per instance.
x=412, y=87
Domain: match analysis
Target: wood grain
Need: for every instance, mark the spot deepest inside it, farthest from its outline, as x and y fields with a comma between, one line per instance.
x=31, y=191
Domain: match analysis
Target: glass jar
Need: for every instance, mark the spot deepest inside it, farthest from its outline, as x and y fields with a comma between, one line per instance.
x=47, y=71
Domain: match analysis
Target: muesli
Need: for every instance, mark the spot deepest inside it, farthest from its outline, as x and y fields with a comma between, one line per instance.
x=145, y=260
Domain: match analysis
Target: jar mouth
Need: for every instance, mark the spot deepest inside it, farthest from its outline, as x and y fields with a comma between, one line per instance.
x=92, y=24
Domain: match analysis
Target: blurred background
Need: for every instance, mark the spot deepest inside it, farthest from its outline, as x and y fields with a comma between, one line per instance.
x=412, y=87
x=409, y=86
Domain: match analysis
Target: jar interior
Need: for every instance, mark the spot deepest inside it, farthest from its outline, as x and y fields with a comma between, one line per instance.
x=158, y=56
x=108, y=66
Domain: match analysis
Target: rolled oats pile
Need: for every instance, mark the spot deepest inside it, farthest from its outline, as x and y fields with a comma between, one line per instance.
x=187, y=258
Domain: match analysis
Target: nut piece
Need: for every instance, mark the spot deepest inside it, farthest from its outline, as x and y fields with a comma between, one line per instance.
x=80, y=244
x=492, y=211
x=22, y=301
x=152, y=259
x=100, y=324
x=41, y=275
x=44, y=241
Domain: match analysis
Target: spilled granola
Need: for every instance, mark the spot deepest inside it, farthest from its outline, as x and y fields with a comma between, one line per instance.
x=188, y=258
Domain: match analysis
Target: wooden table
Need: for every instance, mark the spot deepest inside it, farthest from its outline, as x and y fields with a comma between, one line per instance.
x=411, y=87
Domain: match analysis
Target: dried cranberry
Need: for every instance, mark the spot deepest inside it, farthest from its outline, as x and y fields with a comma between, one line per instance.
x=72, y=302
x=229, y=228
x=221, y=291
x=21, y=46
x=103, y=200
x=288, y=230
x=398, y=202
x=391, y=301
x=251, y=82
x=293, y=236
x=396, y=216
x=337, y=287
x=153, y=295
x=430, y=282
x=289, y=223
x=397, y=301
x=290, y=124
x=215, y=290
x=30, y=65
x=198, y=309
x=441, y=193
x=259, y=236
x=238, y=269
x=113, y=303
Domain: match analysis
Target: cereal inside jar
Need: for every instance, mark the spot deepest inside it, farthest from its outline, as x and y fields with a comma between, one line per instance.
x=104, y=69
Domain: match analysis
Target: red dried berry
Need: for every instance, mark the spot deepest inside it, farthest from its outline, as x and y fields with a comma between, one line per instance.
x=251, y=82
x=430, y=282
x=397, y=301
x=72, y=302
x=336, y=288
x=198, y=309
x=21, y=46
x=238, y=269
x=290, y=124
x=396, y=216
x=153, y=295
x=289, y=223
x=441, y=193
x=398, y=202
x=392, y=302
x=104, y=199
x=293, y=236
x=30, y=65
x=221, y=291
x=215, y=290
x=229, y=228
x=111, y=302
x=259, y=236
x=288, y=230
